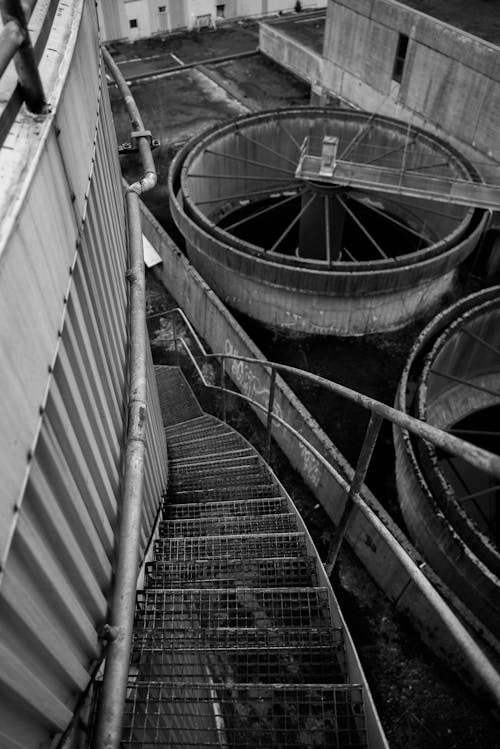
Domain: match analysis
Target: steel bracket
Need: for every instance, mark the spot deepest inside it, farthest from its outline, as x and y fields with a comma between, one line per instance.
x=133, y=146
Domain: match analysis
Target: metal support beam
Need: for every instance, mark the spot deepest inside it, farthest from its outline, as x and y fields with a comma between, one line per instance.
x=364, y=458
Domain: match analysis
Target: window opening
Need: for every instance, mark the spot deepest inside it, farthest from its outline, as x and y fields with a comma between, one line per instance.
x=399, y=62
x=133, y=23
x=221, y=11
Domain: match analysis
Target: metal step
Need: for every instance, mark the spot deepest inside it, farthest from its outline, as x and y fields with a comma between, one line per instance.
x=229, y=638
x=204, y=426
x=257, y=507
x=246, y=716
x=249, y=608
x=225, y=526
x=230, y=547
x=251, y=474
x=213, y=464
x=318, y=665
x=232, y=493
x=198, y=444
x=177, y=463
x=230, y=573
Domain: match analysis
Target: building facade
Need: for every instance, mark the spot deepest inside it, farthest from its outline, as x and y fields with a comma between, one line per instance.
x=136, y=19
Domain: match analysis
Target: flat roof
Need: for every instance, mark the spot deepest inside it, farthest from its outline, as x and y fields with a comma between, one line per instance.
x=478, y=17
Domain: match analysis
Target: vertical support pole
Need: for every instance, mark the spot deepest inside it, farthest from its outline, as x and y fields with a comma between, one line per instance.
x=364, y=458
x=270, y=414
x=174, y=328
x=222, y=384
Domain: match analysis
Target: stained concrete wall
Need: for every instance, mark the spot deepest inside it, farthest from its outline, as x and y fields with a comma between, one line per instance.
x=450, y=81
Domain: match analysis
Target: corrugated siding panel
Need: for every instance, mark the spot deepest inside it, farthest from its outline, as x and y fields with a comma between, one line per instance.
x=155, y=469
x=64, y=342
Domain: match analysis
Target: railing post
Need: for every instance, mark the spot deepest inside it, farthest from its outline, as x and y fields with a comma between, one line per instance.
x=174, y=330
x=270, y=413
x=222, y=384
x=364, y=458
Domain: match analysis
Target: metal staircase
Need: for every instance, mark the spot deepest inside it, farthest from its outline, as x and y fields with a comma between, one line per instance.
x=234, y=644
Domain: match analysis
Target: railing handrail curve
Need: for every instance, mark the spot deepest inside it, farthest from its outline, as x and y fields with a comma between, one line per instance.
x=476, y=456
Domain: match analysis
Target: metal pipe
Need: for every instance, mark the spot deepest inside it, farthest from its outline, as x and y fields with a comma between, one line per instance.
x=109, y=723
x=24, y=60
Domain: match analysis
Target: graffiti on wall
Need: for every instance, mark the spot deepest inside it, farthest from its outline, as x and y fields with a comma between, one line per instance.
x=312, y=466
x=248, y=381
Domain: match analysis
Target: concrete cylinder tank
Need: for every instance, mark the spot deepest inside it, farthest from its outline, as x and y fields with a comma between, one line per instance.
x=451, y=508
x=309, y=256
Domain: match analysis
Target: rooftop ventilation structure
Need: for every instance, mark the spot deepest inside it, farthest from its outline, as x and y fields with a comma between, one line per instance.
x=282, y=214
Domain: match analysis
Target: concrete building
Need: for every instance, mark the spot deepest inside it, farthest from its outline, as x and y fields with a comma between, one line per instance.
x=137, y=19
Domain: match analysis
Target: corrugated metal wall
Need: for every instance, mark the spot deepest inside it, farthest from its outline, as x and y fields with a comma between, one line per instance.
x=63, y=343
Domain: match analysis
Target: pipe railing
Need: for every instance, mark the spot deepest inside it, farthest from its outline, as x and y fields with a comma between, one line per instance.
x=476, y=456
x=15, y=44
x=121, y=621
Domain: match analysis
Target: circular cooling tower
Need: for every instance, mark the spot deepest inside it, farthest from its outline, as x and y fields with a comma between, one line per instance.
x=307, y=255
x=452, y=380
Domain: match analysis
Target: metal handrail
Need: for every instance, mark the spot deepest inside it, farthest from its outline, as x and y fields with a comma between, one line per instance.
x=15, y=43
x=120, y=627
x=476, y=456
x=473, y=455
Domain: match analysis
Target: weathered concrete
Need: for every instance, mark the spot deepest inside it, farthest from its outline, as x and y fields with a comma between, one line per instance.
x=443, y=530
x=300, y=59
x=297, y=293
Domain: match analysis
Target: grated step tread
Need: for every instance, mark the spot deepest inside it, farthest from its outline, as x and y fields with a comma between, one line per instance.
x=238, y=547
x=211, y=608
x=228, y=526
x=247, y=491
x=250, y=507
x=247, y=716
x=223, y=457
x=259, y=665
x=216, y=573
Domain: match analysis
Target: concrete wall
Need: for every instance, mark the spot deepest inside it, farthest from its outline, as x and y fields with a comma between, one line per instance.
x=302, y=61
x=450, y=79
